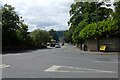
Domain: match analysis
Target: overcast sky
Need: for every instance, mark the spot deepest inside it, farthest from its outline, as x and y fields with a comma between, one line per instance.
x=43, y=14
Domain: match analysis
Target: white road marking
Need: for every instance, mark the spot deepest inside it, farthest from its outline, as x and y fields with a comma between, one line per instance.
x=4, y=66
x=55, y=68
x=16, y=54
x=12, y=55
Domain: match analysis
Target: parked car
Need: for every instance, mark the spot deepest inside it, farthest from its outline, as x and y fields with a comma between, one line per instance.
x=62, y=43
x=48, y=44
x=52, y=45
x=57, y=46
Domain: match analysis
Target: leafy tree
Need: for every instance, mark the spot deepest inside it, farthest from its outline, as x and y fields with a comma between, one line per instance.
x=67, y=36
x=116, y=14
x=22, y=32
x=105, y=29
x=75, y=35
x=23, y=35
x=85, y=12
x=52, y=31
x=10, y=21
x=54, y=35
x=14, y=30
x=40, y=37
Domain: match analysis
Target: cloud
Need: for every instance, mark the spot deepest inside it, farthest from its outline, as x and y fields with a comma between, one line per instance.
x=43, y=14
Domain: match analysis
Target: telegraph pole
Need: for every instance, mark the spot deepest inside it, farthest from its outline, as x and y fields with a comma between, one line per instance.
x=97, y=43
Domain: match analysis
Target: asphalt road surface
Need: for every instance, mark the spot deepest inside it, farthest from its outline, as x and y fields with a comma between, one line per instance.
x=64, y=62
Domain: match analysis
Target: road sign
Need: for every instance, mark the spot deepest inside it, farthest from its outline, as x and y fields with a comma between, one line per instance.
x=103, y=48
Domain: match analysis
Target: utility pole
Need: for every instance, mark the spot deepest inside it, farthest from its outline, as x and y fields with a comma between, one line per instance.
x=97, y=43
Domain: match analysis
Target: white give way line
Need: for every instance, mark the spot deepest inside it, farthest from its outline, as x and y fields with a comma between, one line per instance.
x=55, y=68
x=4, y=66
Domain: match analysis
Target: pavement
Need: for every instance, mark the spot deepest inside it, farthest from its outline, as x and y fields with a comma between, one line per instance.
x=65, y=62
x=99, y=53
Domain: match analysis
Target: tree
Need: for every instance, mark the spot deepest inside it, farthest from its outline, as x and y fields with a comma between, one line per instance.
x=87, y=11
x=54, y=35
x=83, y=13
x=75, y=35
x=40, y=37
x=14, y=31
x=23, y=35
x=116, y=14
x=67, y=36
x=105, y=29
x=10, y=21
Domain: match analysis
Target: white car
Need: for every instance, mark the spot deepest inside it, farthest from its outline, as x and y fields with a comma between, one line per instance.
x=57, y=46
x=48, y=44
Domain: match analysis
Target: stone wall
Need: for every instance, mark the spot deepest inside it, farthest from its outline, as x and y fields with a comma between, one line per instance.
x=113, y=44
x=91, y=45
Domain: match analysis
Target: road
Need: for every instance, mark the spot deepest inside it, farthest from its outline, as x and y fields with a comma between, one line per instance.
x=64, y=62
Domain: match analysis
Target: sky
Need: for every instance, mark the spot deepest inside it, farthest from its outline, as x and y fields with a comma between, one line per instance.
x=43, y=14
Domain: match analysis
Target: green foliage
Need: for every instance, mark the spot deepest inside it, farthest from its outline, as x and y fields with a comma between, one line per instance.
x=54, y=35
x=105, y=29
x=52, y=40
x=52, y=31
x=14, y=31
x=67, y=36
x=40, y=37
x=75, y=35
x=116, y=14
x=22, y=32
x=10, y=21
x=85, y=12
x=23, y=35
x=88, y=32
